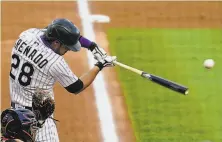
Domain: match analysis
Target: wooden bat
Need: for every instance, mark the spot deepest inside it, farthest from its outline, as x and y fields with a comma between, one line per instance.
x=161, y=81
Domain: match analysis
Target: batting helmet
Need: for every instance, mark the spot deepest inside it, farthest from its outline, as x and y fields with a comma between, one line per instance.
x=19, y=124
x=65, y=32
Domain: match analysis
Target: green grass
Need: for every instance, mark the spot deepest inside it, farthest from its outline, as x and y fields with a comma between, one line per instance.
x=159, y=114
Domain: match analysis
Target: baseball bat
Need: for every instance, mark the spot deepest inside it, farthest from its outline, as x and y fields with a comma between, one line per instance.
x=161, y=81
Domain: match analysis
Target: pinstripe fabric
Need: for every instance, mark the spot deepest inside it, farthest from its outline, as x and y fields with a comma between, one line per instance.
x=48, y=133
x=34, y=65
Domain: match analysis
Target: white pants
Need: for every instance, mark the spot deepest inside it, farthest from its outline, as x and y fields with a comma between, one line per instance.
x=48, y=133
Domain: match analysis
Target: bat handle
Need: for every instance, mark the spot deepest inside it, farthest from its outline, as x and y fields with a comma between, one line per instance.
x=128, y=67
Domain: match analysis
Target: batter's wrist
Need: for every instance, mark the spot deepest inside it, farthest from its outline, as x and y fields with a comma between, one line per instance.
x=92, y=46
x=99, y=65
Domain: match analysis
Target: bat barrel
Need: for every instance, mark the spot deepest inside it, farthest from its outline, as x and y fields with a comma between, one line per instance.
x=166, y=83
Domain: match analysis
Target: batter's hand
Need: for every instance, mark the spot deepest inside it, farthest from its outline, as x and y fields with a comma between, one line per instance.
x=98, y=52
x=106, y=62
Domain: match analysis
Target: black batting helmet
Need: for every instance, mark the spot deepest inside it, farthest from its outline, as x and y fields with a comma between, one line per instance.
x=65, y=32
x=19, y=124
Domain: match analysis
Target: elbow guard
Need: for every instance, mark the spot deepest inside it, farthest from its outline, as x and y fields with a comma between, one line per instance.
x=76, y=87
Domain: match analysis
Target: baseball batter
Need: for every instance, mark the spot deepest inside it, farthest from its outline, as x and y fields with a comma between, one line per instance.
x=37, y=62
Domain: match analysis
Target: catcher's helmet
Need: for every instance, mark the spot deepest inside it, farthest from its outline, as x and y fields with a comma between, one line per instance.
x=65, y=32
x=19, y=124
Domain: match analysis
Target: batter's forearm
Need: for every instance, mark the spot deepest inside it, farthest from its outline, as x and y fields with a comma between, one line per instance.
x=84, y=81
x=89, y=77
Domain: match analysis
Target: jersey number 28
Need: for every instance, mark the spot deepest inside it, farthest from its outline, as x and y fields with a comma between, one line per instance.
x=24, y=72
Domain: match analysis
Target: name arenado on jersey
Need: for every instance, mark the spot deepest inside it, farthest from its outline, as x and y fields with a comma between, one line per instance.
x=22, y=47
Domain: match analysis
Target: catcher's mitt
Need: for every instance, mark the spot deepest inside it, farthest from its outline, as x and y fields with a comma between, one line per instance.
x=43, y=106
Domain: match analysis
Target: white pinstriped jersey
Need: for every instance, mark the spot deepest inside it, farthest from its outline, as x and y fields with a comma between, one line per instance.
x=35, y=65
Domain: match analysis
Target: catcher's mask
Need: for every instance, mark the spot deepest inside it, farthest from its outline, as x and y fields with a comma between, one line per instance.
x=19, y=124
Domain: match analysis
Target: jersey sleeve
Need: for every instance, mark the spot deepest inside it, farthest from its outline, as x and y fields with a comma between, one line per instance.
x=62, y=73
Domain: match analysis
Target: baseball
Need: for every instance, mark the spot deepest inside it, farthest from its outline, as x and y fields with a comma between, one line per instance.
x=209, y=63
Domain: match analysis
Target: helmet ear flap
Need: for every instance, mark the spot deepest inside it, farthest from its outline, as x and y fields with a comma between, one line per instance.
x=52, y=33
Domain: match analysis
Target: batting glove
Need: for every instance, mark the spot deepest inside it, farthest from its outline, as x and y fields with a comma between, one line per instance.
x=106, y=62
x=98, y=52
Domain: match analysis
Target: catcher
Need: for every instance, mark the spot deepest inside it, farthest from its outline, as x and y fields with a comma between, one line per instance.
x=21, y=124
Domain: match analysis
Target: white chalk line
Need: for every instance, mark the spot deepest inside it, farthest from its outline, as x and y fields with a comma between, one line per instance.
x=102, y=100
